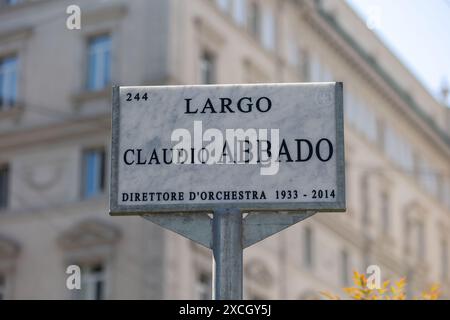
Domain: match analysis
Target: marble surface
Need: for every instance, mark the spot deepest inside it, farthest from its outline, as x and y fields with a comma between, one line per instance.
x=298, y=111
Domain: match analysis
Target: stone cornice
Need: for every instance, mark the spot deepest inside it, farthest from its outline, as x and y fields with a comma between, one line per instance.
x=9, y=9
x=54, y=132
x=109, y=13
x=15, y=34
x=88, y=233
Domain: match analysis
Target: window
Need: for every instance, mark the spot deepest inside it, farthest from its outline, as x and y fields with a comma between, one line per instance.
x=345, y=268
x=240, y=12
x=415, y=235
x=316, y=69
x=90, y=244
x=367, y=122
x=319, y=71
x=360, y=115
x=420, y=238
x=254, y=19
x=93, y=172
x=12, y=2
x=398, y=150
x=92, y=283
x=8, y=82
x=224, y=5
x=385, y=213
x=407, y=230
x=298, y=57
x=237, y=8
x=427, y=176
x=2, y=287
x=308, y=251
x=207, y=68
x=268, y=29
x=446, y=193
x=327, y=75
x=293, y=51
x=203, y=286
x=4, y=187
x=348, y=104
x=99, y=63
x=365, y=200
x=444, y=261
x=304, y=64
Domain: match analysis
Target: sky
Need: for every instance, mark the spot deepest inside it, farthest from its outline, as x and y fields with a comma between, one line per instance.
x=417, y=32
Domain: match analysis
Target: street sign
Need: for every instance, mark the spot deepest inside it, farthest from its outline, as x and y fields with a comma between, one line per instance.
x=262, y=147
x=275, y=151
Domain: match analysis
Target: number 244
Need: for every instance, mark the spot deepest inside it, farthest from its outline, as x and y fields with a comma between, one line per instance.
x=137, y=97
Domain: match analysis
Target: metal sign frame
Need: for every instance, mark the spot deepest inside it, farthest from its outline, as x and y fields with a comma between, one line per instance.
x=124, y=210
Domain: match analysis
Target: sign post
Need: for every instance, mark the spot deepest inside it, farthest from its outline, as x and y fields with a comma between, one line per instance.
x=272, y=151
x=227, y=254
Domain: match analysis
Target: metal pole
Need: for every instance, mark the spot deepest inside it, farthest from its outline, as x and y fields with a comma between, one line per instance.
x=227, y=254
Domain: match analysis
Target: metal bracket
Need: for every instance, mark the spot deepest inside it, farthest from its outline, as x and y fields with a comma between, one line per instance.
x=194, y=226
x=256, y=226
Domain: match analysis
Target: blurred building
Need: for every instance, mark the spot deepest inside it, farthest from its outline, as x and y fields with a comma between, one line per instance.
x=55, y=102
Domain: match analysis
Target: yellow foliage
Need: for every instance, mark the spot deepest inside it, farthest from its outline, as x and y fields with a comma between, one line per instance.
x=388, y=291
x=432, y=294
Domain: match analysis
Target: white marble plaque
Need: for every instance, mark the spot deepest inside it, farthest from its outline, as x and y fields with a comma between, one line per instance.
x=275, y=147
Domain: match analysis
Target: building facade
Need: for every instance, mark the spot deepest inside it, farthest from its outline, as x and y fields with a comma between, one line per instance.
x=55, y=102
